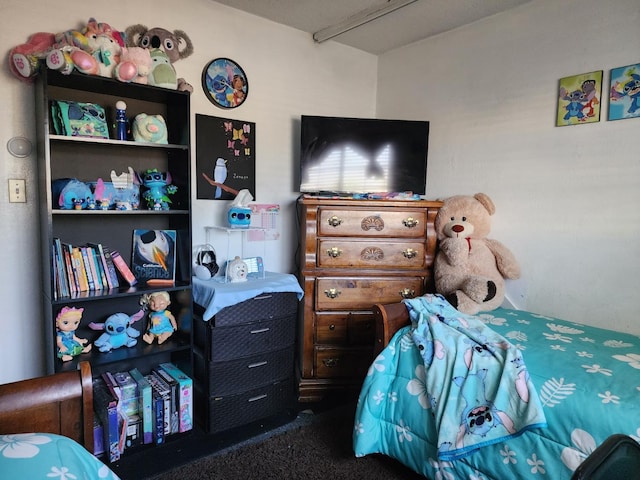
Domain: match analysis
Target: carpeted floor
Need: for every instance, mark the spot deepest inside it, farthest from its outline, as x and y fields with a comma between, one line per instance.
x=314, y=446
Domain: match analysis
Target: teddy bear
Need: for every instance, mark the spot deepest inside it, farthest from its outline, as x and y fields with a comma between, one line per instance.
x=470, y=269
x=176, y=45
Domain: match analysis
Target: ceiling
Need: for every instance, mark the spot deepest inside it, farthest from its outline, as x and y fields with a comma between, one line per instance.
x=413, y=22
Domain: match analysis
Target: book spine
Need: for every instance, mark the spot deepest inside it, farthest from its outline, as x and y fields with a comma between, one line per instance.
x=158, y=411
x=91, y=268
x=123, y=268
x=146, y=408
x=163, y=389
x=78, y=266
x=71, y=274
x=60, y=274
x=185, y=401
x=97, y=261
x=172, y=383
x=104, y=267
x=106, y=407
x=111, y=268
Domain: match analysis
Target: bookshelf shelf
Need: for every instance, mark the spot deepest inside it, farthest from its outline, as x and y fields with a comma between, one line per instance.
x=90, y=159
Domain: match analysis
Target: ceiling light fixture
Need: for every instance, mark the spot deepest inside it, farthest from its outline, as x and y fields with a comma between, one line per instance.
x=359, y=19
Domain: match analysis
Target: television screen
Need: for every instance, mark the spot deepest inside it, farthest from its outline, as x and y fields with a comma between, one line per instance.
x=361, y=155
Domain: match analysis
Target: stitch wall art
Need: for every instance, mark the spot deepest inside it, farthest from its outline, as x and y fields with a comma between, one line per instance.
x=624, y=92
x=579, y=99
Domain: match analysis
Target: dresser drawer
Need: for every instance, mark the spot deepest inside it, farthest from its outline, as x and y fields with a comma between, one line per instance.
x=247, y=373
x=373, y=253
x=260, y=307
x=227, y=343
x=345, y=328
x=369, y=222
x=360, y=293
x=343, y=362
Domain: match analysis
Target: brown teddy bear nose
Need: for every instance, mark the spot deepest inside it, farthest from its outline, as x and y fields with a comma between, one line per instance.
x=457, y=228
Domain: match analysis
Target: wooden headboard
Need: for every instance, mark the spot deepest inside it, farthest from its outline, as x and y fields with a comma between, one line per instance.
x=388, y=319
x=61, y=403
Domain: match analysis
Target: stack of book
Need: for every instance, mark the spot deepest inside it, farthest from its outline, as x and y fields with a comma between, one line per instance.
x=133, y=409
x=85, y=268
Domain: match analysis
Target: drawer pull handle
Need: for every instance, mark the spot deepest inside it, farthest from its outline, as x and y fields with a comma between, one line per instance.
x=332, y=327
x=257, y=364
x=407, y=293
x=409, y=253
x=332, y=292
x=331, y=362
x=334, y=252
x=410, y=222
x=262, y=330
x=259, y=397
x=334, y=221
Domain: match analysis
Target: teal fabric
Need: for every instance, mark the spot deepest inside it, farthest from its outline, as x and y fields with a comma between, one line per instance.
x=46, y=456
x=588, y=380
x=477, y=383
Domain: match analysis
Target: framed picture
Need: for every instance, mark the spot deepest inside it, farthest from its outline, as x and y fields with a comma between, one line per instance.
x=225, y=83
x=624, y=92
x=225, y=157
x=579, y=99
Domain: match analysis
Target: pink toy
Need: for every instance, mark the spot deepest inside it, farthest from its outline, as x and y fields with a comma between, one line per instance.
x=24, y=60
x=135, y=65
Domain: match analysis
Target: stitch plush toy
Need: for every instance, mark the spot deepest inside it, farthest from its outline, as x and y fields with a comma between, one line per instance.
x=470, y=268
x=159, y=188
x=69, y=345
x=118, y=331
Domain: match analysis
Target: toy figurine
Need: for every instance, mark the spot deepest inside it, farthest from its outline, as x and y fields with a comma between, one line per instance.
x=158, y=186
x=162, y=323
x=69, y=345
x=118, y=331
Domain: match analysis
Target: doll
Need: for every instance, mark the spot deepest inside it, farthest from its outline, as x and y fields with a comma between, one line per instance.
x=69, y=345
x=162, y=323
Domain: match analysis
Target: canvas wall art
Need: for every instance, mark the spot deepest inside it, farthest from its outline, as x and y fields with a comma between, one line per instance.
x=624, y=92
x=579, y=98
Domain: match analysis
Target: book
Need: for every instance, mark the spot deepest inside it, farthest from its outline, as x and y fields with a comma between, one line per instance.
x=161, y=390
x=106, y=408
x=62, y=287
x=111, y=268
x=185, y=400
x=174, y=387
x=116, y=391
x=72, y=276
x=153, y=258
x=145, y=406
x=89, y=268
x=158, y=416
x=97, y=261
x=104, y=267
x=78, y=267
x=123, y=268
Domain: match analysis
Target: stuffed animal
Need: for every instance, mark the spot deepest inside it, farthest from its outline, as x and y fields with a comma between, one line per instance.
x=177, y=45
x=69, y=345
x=470, y=268
x=149, y=128
x=135, y=65
x=162, y=73
x=158, y=185
x=24, y=59
x=118, y=331
x=71, y=194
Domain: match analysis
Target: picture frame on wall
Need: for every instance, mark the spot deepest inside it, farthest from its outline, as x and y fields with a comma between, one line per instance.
x=224, y=83
x=579, y=99
x=624, y=92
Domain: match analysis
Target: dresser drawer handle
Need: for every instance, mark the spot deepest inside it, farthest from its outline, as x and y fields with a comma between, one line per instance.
x=257, y=364
x=332, y=327
x=332, y=292
x=334, y=221
x=410, y=222
x=331, y=362
x=407, y=293
x=262, y=330
x=259, y=397
x=409, y=253
x=334, y=252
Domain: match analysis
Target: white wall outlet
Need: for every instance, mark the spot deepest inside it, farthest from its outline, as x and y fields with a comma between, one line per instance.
x=17, y=191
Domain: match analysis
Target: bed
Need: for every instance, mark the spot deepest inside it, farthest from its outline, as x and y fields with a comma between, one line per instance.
x=46, y=428
x=586, y=379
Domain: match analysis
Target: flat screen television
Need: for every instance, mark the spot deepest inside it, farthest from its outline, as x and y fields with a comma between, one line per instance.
x=362, y=155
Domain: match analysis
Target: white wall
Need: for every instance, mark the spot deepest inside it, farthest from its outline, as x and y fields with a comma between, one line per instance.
x=288, y=75
x=567, y=198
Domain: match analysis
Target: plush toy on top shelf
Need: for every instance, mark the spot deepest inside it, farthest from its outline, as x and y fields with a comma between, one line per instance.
x=176, y=45
x=24, y=59
x=159, y=188
x=118, y=331
x=69, y=345
x=162, y=323
x=470, y=268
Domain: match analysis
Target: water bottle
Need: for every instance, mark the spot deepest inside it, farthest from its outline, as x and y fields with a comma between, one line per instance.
x=121, y=120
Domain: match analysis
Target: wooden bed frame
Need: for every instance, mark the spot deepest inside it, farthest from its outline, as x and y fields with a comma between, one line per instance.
x=61, y=403
x=389, y=319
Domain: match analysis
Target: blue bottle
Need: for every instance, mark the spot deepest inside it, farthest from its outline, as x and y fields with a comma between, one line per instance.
x=121, y=120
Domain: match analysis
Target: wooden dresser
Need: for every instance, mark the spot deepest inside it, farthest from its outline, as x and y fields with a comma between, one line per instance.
x=354, y=253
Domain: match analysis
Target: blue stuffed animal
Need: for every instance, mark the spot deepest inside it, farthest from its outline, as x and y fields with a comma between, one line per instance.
x=118, y=331
x=158, y=185
x=71, y=194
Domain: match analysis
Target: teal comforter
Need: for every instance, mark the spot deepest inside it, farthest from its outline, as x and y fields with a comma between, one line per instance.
x=587, y=380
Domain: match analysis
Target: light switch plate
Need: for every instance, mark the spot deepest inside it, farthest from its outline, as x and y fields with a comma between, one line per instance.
x=17, y=191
